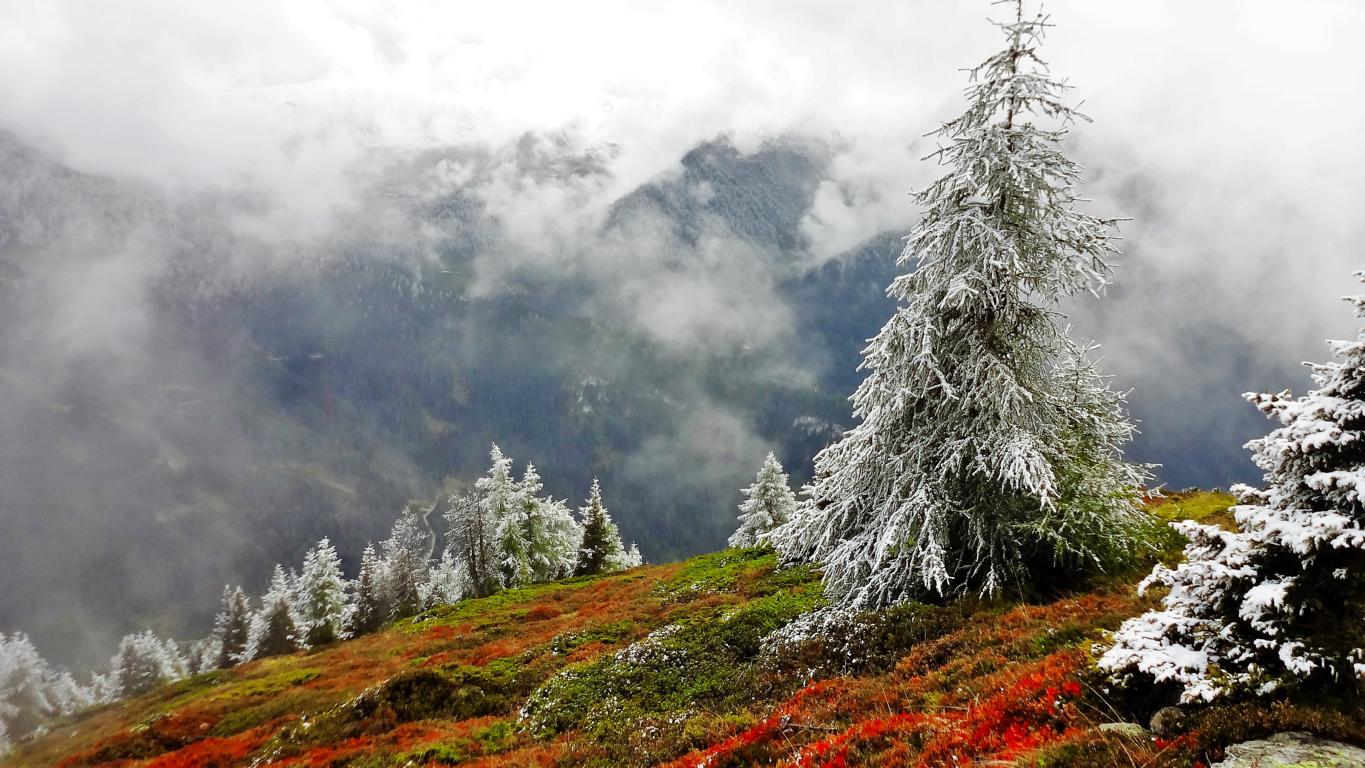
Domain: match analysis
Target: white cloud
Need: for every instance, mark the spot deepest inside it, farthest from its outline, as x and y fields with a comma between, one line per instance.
x=1230, y=126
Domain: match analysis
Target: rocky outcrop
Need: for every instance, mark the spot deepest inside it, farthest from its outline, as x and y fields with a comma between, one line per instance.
x=1293, y=750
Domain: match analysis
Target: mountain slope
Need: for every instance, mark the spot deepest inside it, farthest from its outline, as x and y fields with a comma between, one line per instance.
x=184, y=405
x=664, y=664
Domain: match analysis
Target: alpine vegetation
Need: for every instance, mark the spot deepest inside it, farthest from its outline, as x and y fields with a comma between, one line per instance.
x=1282, y=599
x=768, y=503
x=987, y=453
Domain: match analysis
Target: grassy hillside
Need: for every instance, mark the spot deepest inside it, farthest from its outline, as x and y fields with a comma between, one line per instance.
x=664, y=665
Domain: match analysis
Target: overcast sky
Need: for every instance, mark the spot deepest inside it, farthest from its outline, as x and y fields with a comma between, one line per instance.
x=1228, y=130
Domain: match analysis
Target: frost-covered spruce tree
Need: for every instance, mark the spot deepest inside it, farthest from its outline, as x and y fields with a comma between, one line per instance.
x=501, y=500
x=232, y=627
x=369, y=605
x=32, y=691
x=988, y=445
x=275, y=627
x=445, y=584
x=201, y=655
x=1281, y=600
x=145, y=661
x=551, y=534
x=322, y=596
x=601, y=550
x=768, y=503
x=632, y=557
x=469, y=543
x=407, y=554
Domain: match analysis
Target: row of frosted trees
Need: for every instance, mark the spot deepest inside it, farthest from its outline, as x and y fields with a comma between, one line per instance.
x=504, y=533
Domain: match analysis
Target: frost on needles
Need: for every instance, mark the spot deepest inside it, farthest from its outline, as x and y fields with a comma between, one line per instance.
x=988, y=450
x=768, y=503
x=1282, y=599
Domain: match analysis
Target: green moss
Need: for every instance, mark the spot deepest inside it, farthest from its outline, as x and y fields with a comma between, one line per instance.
x=1209, y=507
x=701, y=666
x=454, y=692
x=270, y=684
x=719, y=572
x=496, y=738
x=494, y=610
x=440, y=754
x=272, y=708
x=869, y=641
x=1054, y=639
x=609, y=633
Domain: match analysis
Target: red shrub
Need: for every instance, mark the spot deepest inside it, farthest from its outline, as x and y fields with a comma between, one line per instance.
x=210, y=753
x=543, y=612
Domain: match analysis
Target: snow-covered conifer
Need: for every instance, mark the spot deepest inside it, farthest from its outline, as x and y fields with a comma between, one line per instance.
x=988, y=445
x=503, y=504
x=145, y=661
x=1281, y=600
x=768, y=503
x=632, y=557
x=406, y=558
x=470, y=534
x=322, y=595
x=446, y=583
x=274, y=628
x=232, y=627
x=551, y=534
x=202, y=655
x=534, y=538
x=369, y=606
x=601, y=550
x=32, y=691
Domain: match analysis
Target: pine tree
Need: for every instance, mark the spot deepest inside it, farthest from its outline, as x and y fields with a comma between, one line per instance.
x=369, y=607
x=601, y=550
x=551, y=534
x=446, y=584
x=769, y=502
x=1281, y=601
x=145, y=661
x=31, y=690
x=322, y=595
x=632, y=557
x=504, y=506
x=274, y=628
x=469, y=543
x=987, y=451
x=201, y=655
x=232, y=628
x=406, y=554
x=533, y=538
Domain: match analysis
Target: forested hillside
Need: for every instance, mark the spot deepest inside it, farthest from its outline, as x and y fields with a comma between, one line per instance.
x=669, y=664
x=317, y=395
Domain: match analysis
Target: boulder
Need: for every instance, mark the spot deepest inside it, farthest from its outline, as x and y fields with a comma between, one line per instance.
x=1168, y=722
x=1293, y=750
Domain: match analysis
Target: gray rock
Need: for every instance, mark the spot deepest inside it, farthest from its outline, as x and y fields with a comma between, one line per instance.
x=1293, y=750
x=1168, y=721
